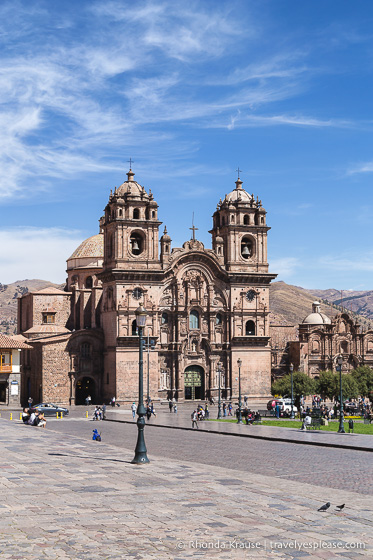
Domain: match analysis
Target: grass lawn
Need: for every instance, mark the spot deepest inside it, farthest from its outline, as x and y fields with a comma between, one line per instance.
x=359, y=428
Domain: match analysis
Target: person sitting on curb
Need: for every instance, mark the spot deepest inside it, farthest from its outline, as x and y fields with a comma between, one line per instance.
x=25, y=415
x=40, y=420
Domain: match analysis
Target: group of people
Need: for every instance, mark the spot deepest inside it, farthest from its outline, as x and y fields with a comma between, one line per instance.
x=33, y=418
x=172, y=405
x=99, y=412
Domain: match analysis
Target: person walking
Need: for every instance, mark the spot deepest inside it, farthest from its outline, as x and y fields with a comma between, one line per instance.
x=133, y=408
x=224, y=409
x=195, y=420
x=277, y=409
x=175, y=408
x=207, y=413
x=104, y=411
x=113, y=401
x=170, y=405
x=230, y=409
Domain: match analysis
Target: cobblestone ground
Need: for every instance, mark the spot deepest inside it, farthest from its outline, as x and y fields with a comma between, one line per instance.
x=327, y=467
x=68, y=497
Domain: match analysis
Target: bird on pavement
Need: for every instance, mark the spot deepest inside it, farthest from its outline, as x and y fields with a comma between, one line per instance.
x=340, y=507
x=324, y=507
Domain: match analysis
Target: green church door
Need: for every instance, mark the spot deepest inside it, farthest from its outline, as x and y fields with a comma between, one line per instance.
x=194, y=386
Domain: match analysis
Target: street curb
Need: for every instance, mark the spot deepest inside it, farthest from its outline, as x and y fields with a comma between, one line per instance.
x=267, y=438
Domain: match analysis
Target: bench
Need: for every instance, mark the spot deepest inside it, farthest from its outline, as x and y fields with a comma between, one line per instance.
x=315, y=424
x=266, y=412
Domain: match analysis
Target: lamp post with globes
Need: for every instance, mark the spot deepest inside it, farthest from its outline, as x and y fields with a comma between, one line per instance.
x=140, y=451
x=219, y=399
x=341, y=429
x=239, y=419
x=292, y=392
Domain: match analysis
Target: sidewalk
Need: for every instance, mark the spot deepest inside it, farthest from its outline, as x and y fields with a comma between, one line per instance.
x=70, y=498
x=182, y=421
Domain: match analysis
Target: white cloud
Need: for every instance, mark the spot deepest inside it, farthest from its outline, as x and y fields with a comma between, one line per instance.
x=36, y=253
x=284, y=267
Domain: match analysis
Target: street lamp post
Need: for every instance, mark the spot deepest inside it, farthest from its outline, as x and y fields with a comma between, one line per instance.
x=239, y=419
x=149, y=345
x=219, y=399
x=140, y=451
x=292, y=392
x=341, y=429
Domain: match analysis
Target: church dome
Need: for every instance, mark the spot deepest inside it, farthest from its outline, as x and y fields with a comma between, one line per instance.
x=131, y=188
x=316, y=317
x=238, y=194
x=91, y=247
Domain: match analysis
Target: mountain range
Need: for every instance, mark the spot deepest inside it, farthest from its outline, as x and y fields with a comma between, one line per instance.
x=289, y=304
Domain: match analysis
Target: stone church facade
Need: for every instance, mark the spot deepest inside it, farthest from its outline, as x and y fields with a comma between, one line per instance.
x=322, y=340
x=207, y=308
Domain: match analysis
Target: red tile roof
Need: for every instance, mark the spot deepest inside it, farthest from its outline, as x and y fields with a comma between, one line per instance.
x=9, y=342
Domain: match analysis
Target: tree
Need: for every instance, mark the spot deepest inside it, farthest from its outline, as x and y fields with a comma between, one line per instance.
x=302, y=386
x=350, y=387
x=326, y=385
x=364, y=378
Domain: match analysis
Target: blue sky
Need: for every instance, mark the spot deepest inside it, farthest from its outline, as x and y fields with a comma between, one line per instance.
x=190, y=91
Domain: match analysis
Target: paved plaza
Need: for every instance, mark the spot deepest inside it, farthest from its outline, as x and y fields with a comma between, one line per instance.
x=65, y=496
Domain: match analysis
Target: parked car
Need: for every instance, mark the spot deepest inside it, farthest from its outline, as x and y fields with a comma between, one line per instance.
x=50, y=409
x=285, y=406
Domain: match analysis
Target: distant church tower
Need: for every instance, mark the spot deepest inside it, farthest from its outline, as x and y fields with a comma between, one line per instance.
x=130, y=228
x=239, y=234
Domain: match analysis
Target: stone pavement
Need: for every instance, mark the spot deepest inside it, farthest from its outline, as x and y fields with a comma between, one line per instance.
x=182, y=420
x=67, y=497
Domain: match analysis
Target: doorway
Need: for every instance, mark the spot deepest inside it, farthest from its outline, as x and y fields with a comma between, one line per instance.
x=84, y=387
x=194, y=386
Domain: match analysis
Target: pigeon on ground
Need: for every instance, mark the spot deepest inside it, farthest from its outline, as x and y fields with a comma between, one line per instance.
x=324, y=507
x=340, y=507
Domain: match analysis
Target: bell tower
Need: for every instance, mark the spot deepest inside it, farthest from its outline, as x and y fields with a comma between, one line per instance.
x=130, y=225
x=239, y=234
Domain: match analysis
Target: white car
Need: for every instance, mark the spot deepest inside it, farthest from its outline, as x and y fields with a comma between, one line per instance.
x=286, y=403
x=285, y=406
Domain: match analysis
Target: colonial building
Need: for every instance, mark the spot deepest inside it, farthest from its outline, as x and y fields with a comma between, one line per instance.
x=322, y=340
x=207, y=308
x=10, y=369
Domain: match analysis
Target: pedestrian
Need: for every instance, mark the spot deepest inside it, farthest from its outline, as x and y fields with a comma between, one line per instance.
x=104, y=411
x=224, y=409
x=170, y=405
x=175, y=408
x=277, y=410
x=113, y=401
x=133, y=408
x=25, y=415
x=194, y=419
x=245, y=400
x=40, y=420
x=148, y=413
x=207, y=413
x=230, y=409
x=152, y=409
x=30, y=401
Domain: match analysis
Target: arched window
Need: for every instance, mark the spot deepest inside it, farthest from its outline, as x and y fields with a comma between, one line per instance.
x=136, y=214
x=85, y=350
x=164, y=319
x=246, y=219
x=88, y=282
x=110, y=246
x=194, y=319
x=153, y=214
x=219, y=319
x=232, y=218
x=137, y=244
x=120, y=212
x=344, y=346
x=250, y=328
x=134, y=328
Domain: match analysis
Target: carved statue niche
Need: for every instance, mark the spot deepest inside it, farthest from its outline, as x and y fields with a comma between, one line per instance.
x=194, y=285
